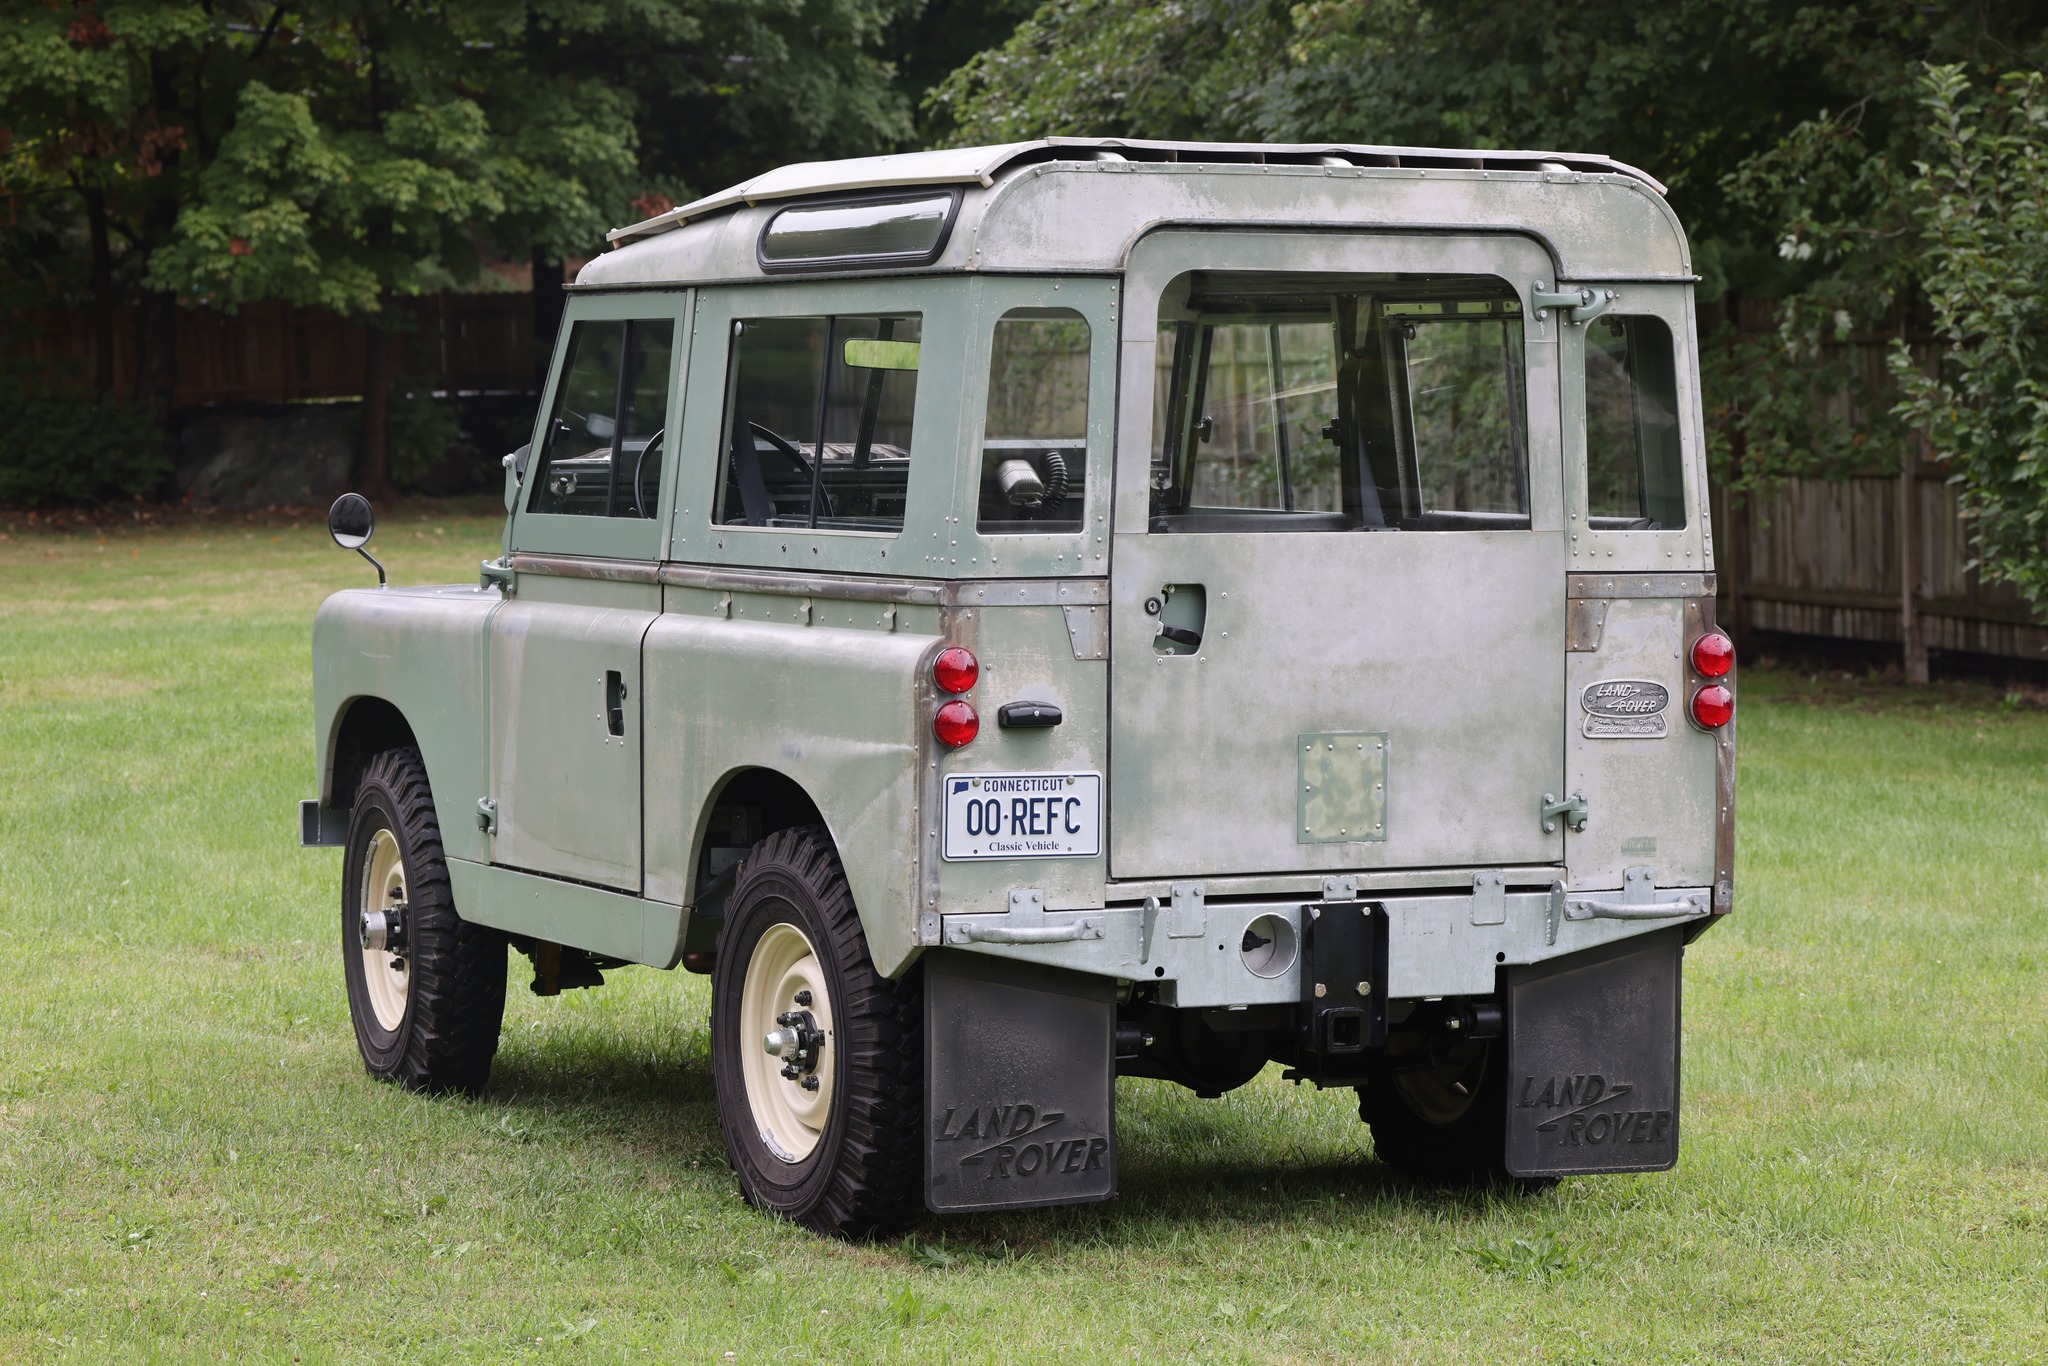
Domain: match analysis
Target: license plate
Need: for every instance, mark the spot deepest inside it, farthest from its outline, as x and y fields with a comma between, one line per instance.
x=1023, y=815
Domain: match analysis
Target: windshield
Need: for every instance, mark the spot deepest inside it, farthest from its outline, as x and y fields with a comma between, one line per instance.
x=1366, y=403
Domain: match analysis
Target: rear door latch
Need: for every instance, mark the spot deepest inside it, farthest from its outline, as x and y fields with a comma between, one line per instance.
x=1572, y=808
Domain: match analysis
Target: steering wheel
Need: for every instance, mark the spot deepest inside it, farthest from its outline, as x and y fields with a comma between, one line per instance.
x=800, y=460
x=641, y=498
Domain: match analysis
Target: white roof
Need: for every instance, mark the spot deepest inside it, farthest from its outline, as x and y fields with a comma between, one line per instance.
x=982, y=165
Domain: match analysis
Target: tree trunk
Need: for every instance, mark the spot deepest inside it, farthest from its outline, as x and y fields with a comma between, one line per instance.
x=373, y=456
x=549, y=300
x=156, y=363
x=1915, y=641
x=102, y=292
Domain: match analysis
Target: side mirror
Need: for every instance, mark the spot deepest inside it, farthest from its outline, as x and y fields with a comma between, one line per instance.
x=351, y=522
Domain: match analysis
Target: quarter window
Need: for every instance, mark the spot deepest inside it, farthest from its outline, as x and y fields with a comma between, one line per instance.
x=818, y=418
x=1034, y=446
x=1361, y=404
x=603, y=447
x=1634, y=478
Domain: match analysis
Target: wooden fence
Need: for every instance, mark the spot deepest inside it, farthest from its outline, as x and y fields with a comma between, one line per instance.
x=274, y=353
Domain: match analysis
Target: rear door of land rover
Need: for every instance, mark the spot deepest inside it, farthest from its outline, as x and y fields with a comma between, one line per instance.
x=1338, y=586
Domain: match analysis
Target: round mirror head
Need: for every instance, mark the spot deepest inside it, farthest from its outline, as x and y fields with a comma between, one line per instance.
x=350, y=521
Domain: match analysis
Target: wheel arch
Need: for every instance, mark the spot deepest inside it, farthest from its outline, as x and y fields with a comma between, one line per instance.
x=748, y=803
x=364, y=727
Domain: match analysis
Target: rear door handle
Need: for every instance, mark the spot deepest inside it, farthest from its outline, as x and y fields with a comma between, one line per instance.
x=1181, y=635
x=1028, y=715
x=614, y=702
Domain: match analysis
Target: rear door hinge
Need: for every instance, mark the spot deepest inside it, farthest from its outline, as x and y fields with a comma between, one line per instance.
x=1580, y=304
x=1572, y=808
x=487, y=815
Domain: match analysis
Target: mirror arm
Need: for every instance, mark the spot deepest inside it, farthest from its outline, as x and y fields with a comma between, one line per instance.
x=373, y=560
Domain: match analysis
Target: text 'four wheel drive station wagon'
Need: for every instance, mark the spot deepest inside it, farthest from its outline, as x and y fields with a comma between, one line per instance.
x=1019, y=616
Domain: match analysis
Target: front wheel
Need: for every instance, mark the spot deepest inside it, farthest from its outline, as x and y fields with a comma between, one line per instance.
x=426, y=989
x=816, y=1057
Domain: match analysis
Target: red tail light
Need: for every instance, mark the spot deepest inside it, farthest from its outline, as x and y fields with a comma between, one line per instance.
x=956, y=724
x=1713, y=655
x=955, y=671
x=1713, y=706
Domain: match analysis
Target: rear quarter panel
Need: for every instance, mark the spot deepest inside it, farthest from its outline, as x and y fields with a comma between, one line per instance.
x=822, y=692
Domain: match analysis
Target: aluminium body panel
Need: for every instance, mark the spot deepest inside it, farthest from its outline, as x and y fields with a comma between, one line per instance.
x=834, y=707
x=566, y=729
x=1445, y=643
x=422, y=650
x=1649, y=776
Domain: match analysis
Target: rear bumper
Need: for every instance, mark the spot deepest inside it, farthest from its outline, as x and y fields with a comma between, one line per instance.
x=1438, y=944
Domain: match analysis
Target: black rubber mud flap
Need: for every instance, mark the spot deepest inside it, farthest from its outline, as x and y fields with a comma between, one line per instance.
x=1593, y=1060
x=1020, y=1078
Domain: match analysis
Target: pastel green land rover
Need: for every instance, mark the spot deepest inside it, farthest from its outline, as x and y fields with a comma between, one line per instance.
x=1022, y=616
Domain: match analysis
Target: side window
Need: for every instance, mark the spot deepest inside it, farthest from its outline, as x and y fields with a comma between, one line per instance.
x=1634, y=478
x=603, y=446
x=1034, y=442
x=1343, y=404
x=818, y=414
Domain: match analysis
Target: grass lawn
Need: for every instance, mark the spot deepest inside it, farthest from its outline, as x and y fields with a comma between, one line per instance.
x=193, y=1164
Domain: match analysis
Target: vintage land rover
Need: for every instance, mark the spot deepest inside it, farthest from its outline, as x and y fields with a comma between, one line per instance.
x=1020, y=616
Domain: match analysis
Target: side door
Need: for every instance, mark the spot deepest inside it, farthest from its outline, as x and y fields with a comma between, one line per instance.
x=1338, y=591
x=585, y=537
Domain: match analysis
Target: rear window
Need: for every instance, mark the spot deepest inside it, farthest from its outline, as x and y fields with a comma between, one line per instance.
x=1371, y=403
x=818, y=416
x=1634, y=479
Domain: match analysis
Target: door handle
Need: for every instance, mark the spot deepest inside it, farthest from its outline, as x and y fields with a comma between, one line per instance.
x=614, y=702
x=1181, y=635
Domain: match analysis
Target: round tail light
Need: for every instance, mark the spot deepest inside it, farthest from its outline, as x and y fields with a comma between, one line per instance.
x=956, y=724
x=1713, y=706
x=1713, y=655
x=955, y=671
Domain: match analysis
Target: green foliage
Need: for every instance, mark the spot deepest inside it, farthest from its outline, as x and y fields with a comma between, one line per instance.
x=1544, y=1258
x=422, y=428
x=60, y=449
x=1981, y=204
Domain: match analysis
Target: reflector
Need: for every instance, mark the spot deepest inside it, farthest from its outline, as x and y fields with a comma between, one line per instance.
x=1713, y=706
x=956, y=724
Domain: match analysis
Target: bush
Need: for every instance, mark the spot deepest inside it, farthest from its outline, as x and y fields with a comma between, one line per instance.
x=76, y=448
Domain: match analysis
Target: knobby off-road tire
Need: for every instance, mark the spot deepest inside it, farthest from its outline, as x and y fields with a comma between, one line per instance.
x=1443, y=1123
x=432, y=1025
x=847, y=1158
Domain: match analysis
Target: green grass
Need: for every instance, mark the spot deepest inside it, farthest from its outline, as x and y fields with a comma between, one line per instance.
x=192, y=1163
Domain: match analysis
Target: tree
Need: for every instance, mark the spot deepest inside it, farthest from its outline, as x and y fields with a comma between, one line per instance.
x=347, y=153
x=1980, y=203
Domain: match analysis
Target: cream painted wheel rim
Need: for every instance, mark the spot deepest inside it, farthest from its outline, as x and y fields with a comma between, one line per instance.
x=790, y=1118
x=386, y=975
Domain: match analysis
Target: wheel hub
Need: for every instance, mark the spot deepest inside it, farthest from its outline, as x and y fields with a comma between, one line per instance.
x=786, y=1004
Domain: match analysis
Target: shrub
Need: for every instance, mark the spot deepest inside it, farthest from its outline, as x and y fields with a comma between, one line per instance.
x=76, y=448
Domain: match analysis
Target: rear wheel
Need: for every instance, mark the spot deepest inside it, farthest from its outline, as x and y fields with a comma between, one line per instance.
x=1440, y=1111
x=426, y=989
x=816, y=1057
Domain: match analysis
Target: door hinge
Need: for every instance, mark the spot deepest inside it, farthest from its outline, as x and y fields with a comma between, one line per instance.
x=497, y=573
x=1580, y=305
x=487, y=815
x=1572, y=808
